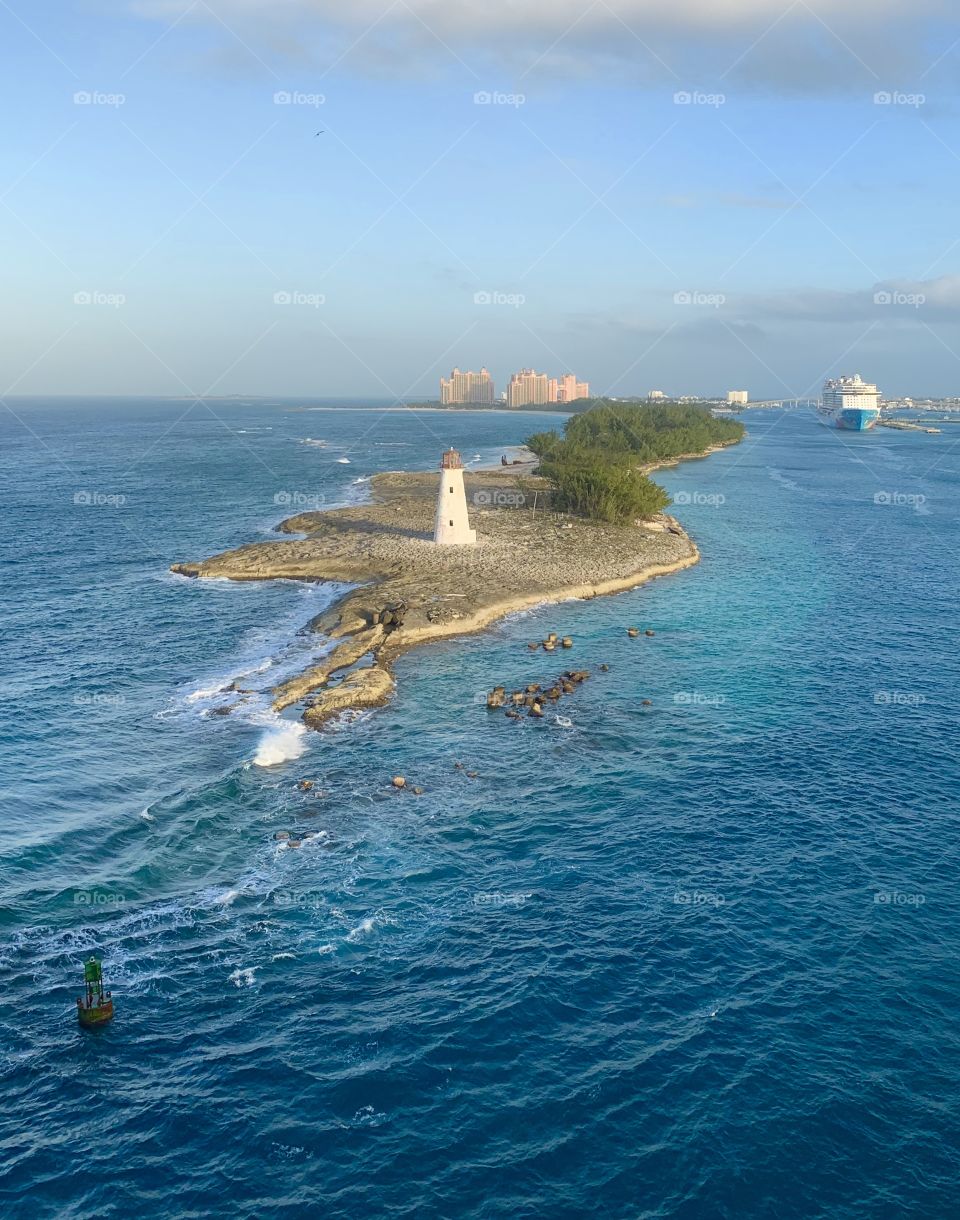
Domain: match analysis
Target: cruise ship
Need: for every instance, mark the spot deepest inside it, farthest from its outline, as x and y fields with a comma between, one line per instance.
x=849, y=402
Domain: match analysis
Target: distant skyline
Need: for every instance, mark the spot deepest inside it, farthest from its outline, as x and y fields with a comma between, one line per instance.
x=731, y=193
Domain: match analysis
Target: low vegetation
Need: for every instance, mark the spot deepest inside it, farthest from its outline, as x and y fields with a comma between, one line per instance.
x=595, y=466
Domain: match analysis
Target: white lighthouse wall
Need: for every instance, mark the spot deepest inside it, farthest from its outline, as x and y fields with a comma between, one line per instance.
x=453, y=524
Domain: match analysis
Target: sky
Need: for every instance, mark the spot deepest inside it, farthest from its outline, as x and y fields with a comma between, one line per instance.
x=692, y=197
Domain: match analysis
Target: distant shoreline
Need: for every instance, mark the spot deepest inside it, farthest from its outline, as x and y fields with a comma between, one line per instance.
x=546, y=409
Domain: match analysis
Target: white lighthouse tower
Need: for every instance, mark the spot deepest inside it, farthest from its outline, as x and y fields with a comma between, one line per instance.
x=453, y=525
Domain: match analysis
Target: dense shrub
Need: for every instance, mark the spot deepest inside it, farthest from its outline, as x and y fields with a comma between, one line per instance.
x=594, y=466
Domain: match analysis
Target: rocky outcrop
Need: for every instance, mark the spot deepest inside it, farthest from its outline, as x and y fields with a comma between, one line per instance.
x=361, y=688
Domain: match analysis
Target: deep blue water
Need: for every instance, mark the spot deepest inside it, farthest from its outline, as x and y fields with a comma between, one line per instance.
x=697, y=959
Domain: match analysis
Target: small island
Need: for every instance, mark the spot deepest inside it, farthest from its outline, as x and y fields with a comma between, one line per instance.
x=580, y=519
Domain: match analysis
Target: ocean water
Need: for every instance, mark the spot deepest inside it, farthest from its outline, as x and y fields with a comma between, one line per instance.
x=691, y=959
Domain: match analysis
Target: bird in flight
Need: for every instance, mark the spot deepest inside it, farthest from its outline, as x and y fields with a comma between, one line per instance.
x=318, y=133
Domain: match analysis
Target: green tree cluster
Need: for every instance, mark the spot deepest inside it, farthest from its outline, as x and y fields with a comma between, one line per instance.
x=593, y=466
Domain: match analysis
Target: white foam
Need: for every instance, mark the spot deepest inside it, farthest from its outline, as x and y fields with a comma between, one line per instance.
x=147, y=815
x=344, y=461
x=362, y=929
x=368, y=925
x=207, y=692
x=243, y=977
x=280, y=744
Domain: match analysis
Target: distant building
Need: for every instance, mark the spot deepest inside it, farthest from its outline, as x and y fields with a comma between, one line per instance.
x=528, y=387
x=653, y=395
x=738, y=396
x=467, y=387
x=567, y=389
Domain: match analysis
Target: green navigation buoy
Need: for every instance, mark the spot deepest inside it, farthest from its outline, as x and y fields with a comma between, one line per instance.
x=95, y=1007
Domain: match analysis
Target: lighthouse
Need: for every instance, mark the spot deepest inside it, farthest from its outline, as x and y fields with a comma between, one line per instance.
x=453, y=525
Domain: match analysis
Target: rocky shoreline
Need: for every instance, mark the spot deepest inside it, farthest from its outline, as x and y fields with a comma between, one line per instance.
x=412, y=591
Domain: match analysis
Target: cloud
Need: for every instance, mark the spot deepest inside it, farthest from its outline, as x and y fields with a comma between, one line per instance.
x=787, y=46
x=896, y=305
x=888, y=301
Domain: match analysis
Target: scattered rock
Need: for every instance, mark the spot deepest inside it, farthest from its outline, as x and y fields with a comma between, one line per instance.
x=282, y=835
x=418, y=792
x=398, y=781
x=535, y=709
x=473, y=775
x=458, y=766
x=294, y=842
x=605, y=668
x=567, y=641
x=549, y=645
x=305, y=785
x=649, y=632
x=647, y=703
x=633, y=632
x=533, y=688
x=368, y=687
x=496, y=698
x=534, y=646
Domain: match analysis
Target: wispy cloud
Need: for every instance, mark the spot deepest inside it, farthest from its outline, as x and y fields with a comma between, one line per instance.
x=786, y=46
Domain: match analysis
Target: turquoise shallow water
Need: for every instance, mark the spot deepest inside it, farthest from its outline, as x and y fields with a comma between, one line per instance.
x=692, y=959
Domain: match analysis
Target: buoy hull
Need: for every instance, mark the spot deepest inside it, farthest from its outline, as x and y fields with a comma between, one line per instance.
x=96, y=1014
